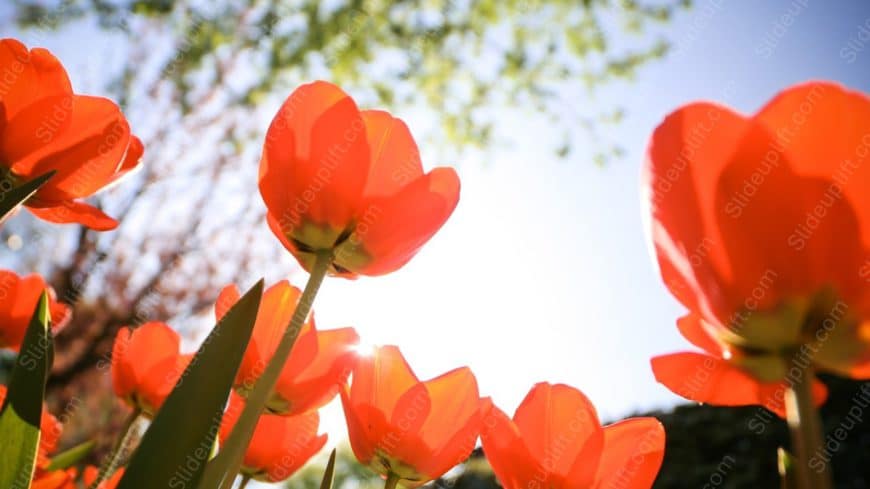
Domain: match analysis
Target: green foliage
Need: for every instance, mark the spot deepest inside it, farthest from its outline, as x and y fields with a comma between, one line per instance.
x=21, y=414
x=457, y=59
x=71, y=457
x=174, y=450
x=13, y=194
x=329, y=472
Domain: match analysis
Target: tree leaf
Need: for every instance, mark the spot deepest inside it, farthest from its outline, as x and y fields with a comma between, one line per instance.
x=22, y=411
x=11, y=198
x=68, y=458
x=174, y=450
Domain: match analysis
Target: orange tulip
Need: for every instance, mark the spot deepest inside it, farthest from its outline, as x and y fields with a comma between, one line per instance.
x=319, y=362
x=18, y=299
x=556, y=441
x=146, y=365
x=281, y=445
x=405, y=429
x=50, y=431
x=337, y=178
x=761, y=228
x=45, y=126
x=58, y=479
x=66, y=479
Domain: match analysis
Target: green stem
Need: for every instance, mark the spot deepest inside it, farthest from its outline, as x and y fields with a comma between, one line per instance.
x=111, y=462
x=392, y=481
x=806, y=431
x=235, y=446
x=245, y=480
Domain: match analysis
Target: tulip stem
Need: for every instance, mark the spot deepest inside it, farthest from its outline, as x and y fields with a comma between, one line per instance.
x=234, y=447
x=392, y=481
x=806, y=430
x=118, y=449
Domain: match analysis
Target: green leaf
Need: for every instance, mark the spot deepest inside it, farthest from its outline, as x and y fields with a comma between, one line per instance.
x=22, y=411
x=174, y=450
x=11, y=198
x=329, y=473
x=68, y=458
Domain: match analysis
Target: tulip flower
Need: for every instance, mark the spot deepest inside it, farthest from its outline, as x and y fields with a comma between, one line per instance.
x=146, y=365
x=50, y=430
x=281, y=445
x=18, y=299
x=319, y=363
x=408, y=430
x=555, y=441
x=711, y=378
x=350, y=184
x=761, y=226
x=44, y=126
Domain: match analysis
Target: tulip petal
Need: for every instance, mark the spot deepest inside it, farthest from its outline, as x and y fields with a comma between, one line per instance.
x=395, y=159
x=315, y=162
x=693, y=330
x=58, y=479
x=362, y=440
x=455, y=398
x=823, y=128
x=132, y=158
x=393, y=229
x=560, y=419
x=380, y=379
x=90, y=475
x=762, y=235
x=142, y=359
x=453, y=432
x=505, y=450
x=273, y=318
x=633, y=453
x=772, y=396
x=280, y=445
x=714, y=381
x=686, y=155
x=227, y=298
x=154, y=387
x=86, y=153
x=29, y=76
x=412, y=411
x=704, y=378
x=18, y=298
x=32, y=129
x=75, y=212
x=318, y=381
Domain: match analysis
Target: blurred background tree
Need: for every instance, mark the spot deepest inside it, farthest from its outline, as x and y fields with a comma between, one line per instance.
x=199, y=81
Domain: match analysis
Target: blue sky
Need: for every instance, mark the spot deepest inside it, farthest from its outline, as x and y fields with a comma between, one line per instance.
x=543, y=272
